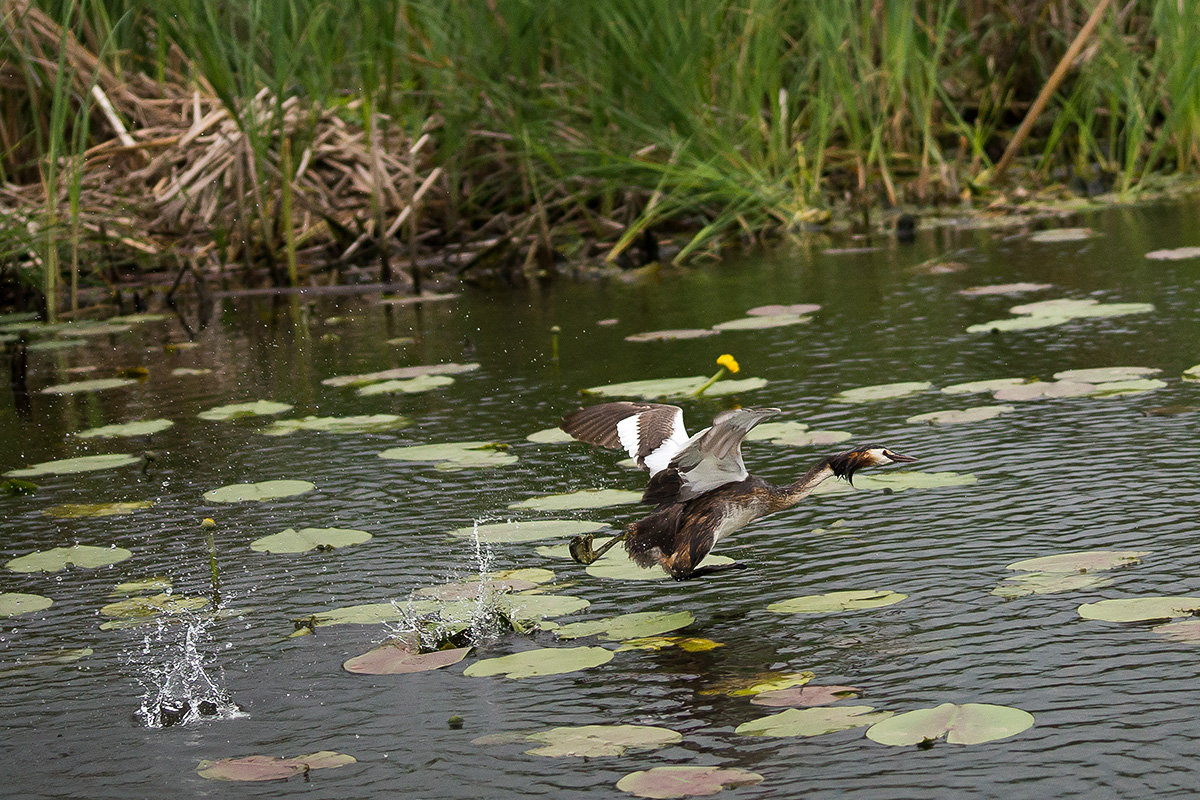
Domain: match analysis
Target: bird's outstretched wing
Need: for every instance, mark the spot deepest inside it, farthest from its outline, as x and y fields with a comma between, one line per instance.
x=710, y=459
x=652, y=433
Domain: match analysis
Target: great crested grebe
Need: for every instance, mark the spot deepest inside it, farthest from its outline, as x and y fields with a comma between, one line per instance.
x=699, y=484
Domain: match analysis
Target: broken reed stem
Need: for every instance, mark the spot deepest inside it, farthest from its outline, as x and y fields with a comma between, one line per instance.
x=289, y=224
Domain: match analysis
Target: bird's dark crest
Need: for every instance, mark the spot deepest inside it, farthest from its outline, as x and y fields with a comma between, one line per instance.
x=844, y=465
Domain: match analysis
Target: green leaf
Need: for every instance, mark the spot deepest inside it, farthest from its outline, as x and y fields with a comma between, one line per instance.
x=82, y=510
x=757, y=322
x=532, y=531
x=400, y=373
x=812, y=721
x=257, y=408
x=267, y=768
x=367, y=613
x=155, y=584
x=185, y=371
x=690, y=644
x=1105, y=374
x=1062, y=235
x=398, y=658
x=954, y=417
x=796, y=309
x=264, y=490
x=1174, y=254
x=455, y=455
x=1140, y=609
x=671, y=335
x=671, y=782
x=581, y=499
x=152, y=606
x=766, y=431
x=421, y=383
x=991, y=385
x=305, y=539
x=1003, y=288
x=852, y=600
x=1192, y=373
x=70, y=466
x=470, y=590
x=1039, y=390
x=93, y=385
x=675, y=387
x=746, y=686
x=1048, y=583
x=1019, y=323
x=59, y=558
x=628, y=626
x=592, y=741
x=140, y=428
x=543, y=661
x=550, y=436
x=364, y=423
x=969, y=723
x=533, y=608
x=886, y=391
x=1083, y=561
x=15, y=603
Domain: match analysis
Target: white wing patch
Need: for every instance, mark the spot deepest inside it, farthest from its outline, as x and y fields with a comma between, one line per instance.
x=627, y=432
x=656, y=460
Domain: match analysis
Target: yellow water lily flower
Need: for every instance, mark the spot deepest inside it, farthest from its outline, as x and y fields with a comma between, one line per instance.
x=729, y=362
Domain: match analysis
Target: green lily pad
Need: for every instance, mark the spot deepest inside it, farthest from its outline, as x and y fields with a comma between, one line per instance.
x=56, y=344
x=795, y=310
x=766, y=431
x=1020, y=323
x=1105, y=374
x=813, y=439
x=534, y=575
x=144, y=316
x=529, y=609
x=670, y=782
x=363, y=614
x=474, y=589
x=532, y=531
x=152, y=606
x=1185, y=630
x=1062, y=235
x=93, y=385
x=185, y=371
x=969, y=723
x=1040, y=390
x=973, y=387
x=592, y=741
x=156, y=584
x=954, y=417
x=61, y=655
x=690, y=644
x=426, y=297
x=400, y=373
x=59, y=558
x=268, y=768
x=754, y=323
x=258, y=408
x=93, y=329
x=264, y=490
x=1126, y=388
x=671, y=335
x=453, y=455
x=70, y=466
x=421, y=383
x=1055, y=312
x=1174, y=254
x=628, y=626
x=1084, y=561
x=616, y=565
x=886, y=391
x=550, y=436
x=581, y=499
x=305, y=539
x=675, y=387
x=1048, y=583
x=543, y=661
x=82, y=510
x=757, y=684
x=1140, y=609
x=364, y=423
x=1192, y=373
x=805, y=696
x=15, y=603
x=398, y=658
x=140, y=428
x=852, y=600
x=812, y=721
x=1003, y=288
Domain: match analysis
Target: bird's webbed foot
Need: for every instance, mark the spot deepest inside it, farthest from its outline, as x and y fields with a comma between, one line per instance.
x=581, y=549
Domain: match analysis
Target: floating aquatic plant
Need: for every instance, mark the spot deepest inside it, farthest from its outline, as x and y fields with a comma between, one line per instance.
x=774, y=310
x=400, y=373
x=812, y=721
x=676, y=334
x=269, y=768
x=531, y=531
x=852, y=600
x=453, y=455
x=661, y=388
x=757, y=684
x=588, y=741
x=618, y=566
x=1140, y=609
x=69, y=466
x=421, y=383
x=1049, y=313
x=969, y=723
x=542, y=661
x=1174, y=254
x=82, y=510
x=257, y=408
x=958, y=416
x=761, y=322
x=554, y=435
x=1083, y=561
x=399, y=657
x=1062, y=235
x=578, y=500
x=363, y=423
x=638, y=624
x=990, y=385
x=805, y=696
x=684, y=781
x=690, y=644
x=13, y=604
x=1003, y=288
x=93, y=385
x=886, y=391
x=140, y=428
x=291, y=540
x=264, y=490
x=59, y=558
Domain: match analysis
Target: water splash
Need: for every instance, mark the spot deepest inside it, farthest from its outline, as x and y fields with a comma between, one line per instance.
x=180, y=681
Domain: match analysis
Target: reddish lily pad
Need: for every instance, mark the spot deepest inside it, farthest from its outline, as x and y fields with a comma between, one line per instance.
x=1185, y=630
x=670, y=782
x=957, y=416
x=398, y=657
x=990, y=385
x=754, y=323
x=812, y=721
x=592, y=741
x=805, y=696
x=269, y=768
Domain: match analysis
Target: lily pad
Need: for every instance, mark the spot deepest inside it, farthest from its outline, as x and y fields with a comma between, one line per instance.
x=61, y=655
x=670, y=782
x=305, y=539
x=550, y=436
x=542, y=661
x=364, y=423
x=973, y=387
x=886, y=391
x=671, y=335
x=474, y=589
x=1062, y=235
x=264, y=490
x=81, y=510
x=593, y=741
x=1185, y=630
x=529, y=609
x=757, y=684
x=15, y=603
x=577, y=500
x=534, y=575
x=1084, y=561
x=59, y=558
x=400, y=373
x=813, y=438
x=628, y=626
x=155, y=584
x=154, y=605
x=812, y=721
x=140, y=428
x=1174, y=254
x=1003, y=288
x=969, y=723
x=805, y=696
x=1040, y=390
x=1140, y=609
x=397, y=658
x=766, y=431
x=421, y=383
x=1019, y=323
x=56, y=344
x=675, y=387
x=690, y=644
x=187, y=371
x=137, y=318
x=618, y=566
x=93, y=329
x=1049, y=583
x=453, y=455
x=1192, y=373
x=532, y=531
x=268, y=768
x=1126, y=388
x=1105, y=374
x=954, y=417
x=852, y=600
x=70, y=466
x=754, y=323
x=362, y=614
x=93, y=385
x=258, y=408
x=796, y=309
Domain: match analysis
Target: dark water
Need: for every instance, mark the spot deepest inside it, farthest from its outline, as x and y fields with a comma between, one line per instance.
x=1115, y=705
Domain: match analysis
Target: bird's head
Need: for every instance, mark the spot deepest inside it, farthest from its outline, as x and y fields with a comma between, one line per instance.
x=844, y=465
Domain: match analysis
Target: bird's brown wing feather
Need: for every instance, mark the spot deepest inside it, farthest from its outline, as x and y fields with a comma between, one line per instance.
x=598, y=425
